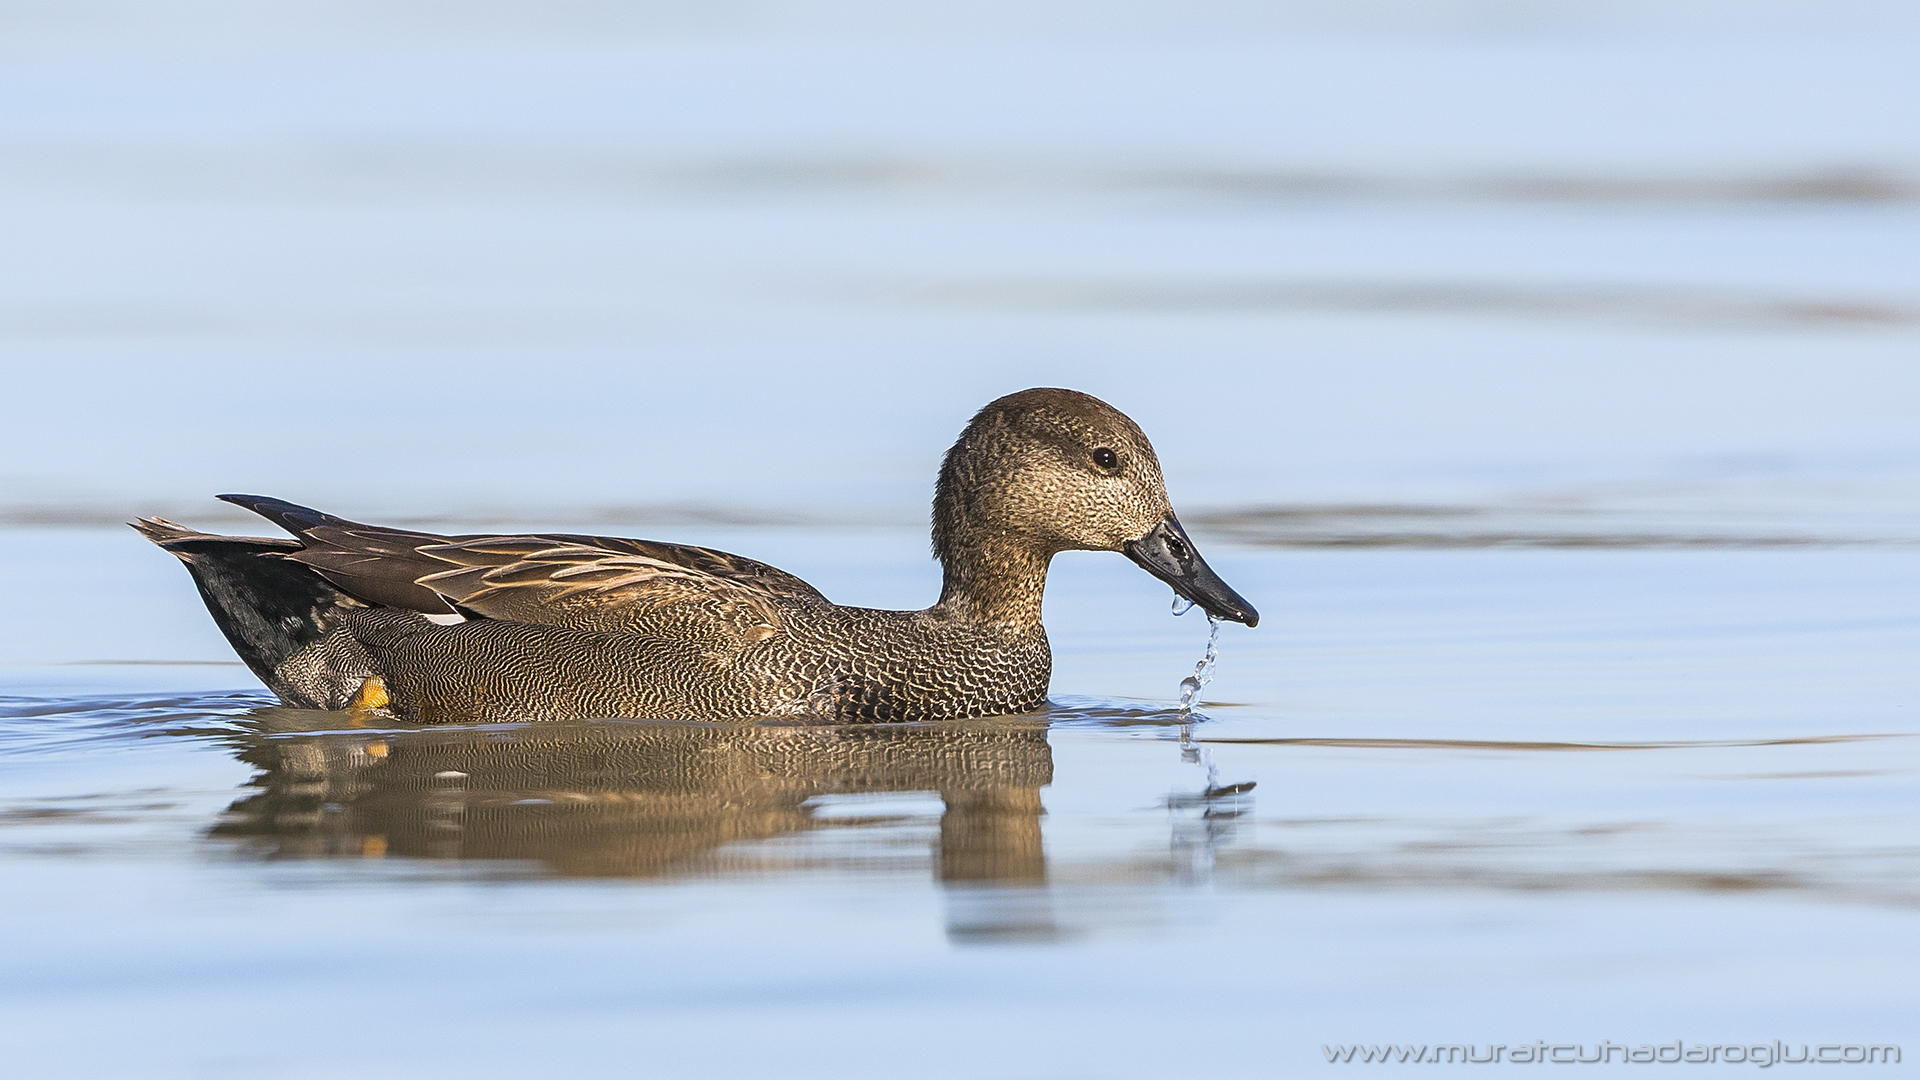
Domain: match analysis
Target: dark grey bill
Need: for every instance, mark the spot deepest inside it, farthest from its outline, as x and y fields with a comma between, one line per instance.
x=1167, y=554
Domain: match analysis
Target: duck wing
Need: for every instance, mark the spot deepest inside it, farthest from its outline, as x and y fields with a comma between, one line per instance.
x=562, y=579
x=634, y=588
x=712, y=561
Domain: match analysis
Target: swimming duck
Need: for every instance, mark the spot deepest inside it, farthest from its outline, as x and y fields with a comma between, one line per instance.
x=551, y=626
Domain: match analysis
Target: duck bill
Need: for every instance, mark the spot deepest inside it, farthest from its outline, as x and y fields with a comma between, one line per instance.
x=1167, y=554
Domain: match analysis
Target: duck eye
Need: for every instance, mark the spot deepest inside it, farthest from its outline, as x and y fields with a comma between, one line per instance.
x=1106, y=458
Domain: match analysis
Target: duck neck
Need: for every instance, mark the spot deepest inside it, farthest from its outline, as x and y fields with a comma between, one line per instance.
x=994, y=579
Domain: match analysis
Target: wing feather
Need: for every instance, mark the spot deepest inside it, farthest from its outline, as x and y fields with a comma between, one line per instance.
x=561, y=579
x=590, y=588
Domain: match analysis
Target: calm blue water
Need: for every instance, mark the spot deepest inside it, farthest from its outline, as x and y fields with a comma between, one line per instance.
x=1501, y=795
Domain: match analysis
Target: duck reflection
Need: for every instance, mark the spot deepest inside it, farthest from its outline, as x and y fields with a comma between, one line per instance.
x=655, y=800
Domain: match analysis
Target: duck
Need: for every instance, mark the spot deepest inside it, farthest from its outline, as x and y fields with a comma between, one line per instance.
x=473, y=629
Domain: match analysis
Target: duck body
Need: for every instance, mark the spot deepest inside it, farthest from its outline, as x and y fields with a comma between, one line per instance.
x=851, y=664
x=491, y=628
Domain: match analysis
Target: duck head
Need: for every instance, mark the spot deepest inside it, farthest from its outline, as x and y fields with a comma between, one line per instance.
x=1046, y=470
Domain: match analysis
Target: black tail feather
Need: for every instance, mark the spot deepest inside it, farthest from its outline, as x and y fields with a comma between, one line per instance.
x=292, y=517
x=290, y=625
x=377, y=564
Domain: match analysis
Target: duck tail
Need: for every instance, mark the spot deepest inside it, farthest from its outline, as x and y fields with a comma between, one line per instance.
x=292, y=517
x=289, y=624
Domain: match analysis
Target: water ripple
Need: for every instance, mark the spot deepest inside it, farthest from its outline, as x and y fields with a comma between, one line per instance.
x=33, y=725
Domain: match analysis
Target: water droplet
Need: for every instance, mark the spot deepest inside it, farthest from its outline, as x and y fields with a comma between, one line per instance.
x=1192, y=685
x=1181, y=605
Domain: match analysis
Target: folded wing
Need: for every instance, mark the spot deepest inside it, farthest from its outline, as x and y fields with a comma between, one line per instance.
x=586, y=587
x=560, y=579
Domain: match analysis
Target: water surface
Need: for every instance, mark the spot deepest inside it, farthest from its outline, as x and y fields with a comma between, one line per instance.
x=1489, y=795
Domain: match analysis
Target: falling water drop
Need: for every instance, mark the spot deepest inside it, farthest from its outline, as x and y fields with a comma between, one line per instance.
x=1181, y=605
x=1192, y=685
x=1194, y=842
